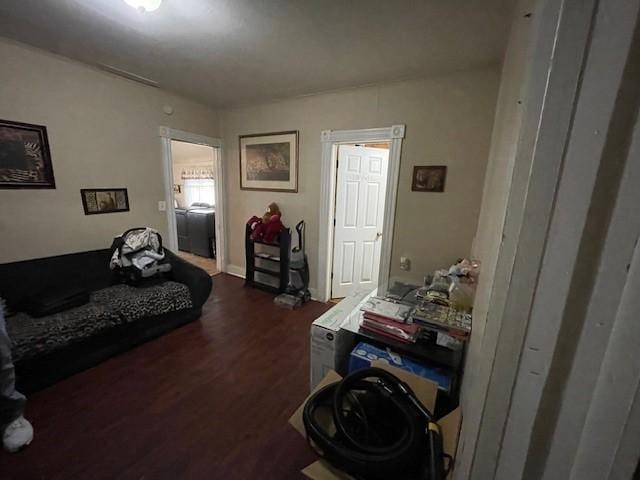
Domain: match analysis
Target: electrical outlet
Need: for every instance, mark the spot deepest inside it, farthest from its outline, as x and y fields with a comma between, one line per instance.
x=162, y=206
x=405, y=263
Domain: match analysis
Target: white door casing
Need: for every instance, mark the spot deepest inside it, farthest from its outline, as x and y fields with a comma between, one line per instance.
x=331, y=140
x=359, y=216
x=166, y=136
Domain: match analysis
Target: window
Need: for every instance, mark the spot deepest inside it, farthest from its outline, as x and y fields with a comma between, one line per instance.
x=202, y=191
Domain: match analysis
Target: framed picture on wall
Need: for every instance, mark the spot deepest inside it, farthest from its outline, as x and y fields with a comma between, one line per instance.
x=429, y=178
x=25, y=159
x=104, y=200
x=269, y=161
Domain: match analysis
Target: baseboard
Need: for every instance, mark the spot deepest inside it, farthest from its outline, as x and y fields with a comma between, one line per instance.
x=235, y=270
x=314, y=294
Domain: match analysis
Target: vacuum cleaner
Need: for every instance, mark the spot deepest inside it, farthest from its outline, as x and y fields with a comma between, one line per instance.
x=372, y=426
x=297, y=291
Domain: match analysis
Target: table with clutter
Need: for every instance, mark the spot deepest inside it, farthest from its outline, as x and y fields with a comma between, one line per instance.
x=423, y=329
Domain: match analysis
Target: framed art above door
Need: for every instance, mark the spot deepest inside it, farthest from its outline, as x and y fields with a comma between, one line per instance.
x=269, y=161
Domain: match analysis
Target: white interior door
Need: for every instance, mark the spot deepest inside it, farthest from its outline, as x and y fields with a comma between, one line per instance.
x=360, y=194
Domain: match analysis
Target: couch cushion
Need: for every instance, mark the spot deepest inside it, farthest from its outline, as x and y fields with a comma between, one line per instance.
x=32, y=337
x=132, y=303
x=108, y=307
x=19, y=281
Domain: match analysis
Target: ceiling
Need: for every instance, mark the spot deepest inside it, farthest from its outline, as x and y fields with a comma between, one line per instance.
x=183, y=152
x=236, y=52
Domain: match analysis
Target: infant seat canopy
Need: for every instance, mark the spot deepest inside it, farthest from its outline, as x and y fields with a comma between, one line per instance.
x=138, y=253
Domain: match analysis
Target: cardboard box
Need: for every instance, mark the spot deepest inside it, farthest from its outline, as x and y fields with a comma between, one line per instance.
x=330, y=342
x=425, y=390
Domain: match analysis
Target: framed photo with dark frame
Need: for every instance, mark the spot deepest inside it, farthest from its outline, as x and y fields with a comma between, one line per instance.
x=429, y=178
x=104, y=200
x=25, y=159
x=269, y=161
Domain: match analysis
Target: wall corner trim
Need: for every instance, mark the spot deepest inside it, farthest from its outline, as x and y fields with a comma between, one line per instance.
x=235, y=270
x=397, y=131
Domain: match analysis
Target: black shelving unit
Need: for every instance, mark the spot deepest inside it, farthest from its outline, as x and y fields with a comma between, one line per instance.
x=280, y=269
x=421, y=351
x=435, y=355
x=430, y=353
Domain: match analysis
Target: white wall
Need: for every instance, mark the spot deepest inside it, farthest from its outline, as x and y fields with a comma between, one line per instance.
x=103, y=132
x=449, y=121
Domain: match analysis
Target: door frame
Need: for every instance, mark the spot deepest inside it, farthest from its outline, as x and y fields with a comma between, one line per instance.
x=331, y=140
x=166, y=136
x=519, y=343
x=591, y=430
x=554, y=47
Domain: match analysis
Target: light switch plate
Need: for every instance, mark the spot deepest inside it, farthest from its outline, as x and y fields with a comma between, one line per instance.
x=162, y=206
x=405, y=263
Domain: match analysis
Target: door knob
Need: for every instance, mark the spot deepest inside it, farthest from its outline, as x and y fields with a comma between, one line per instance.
x=378, y=235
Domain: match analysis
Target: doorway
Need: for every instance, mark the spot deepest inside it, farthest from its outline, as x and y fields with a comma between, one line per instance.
x=194, y=193
x=361, y=184
x=194, y=203
x=379, y=220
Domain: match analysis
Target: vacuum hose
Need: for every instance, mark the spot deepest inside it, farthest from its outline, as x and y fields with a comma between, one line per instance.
x=371, y=425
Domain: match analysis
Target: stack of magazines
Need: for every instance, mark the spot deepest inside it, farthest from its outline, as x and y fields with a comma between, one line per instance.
x=436, y=317
x=390, y=319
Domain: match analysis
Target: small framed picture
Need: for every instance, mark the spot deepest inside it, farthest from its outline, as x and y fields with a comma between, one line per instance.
x=104, y=200
x=269, y=161
x=177, y=188
x=25, y=159
x=429, y=178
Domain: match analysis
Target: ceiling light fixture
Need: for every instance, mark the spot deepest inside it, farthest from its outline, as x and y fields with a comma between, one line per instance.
x=144, y=5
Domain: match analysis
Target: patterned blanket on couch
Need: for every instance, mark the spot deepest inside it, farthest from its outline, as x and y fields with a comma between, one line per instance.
x=107, y=308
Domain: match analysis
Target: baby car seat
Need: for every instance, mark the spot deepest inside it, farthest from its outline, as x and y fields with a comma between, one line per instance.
x=138, y=254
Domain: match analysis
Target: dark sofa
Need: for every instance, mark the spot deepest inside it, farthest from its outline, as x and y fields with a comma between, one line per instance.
x=117, y=318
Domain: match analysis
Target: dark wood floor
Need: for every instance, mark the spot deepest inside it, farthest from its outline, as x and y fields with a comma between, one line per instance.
x=210, y=400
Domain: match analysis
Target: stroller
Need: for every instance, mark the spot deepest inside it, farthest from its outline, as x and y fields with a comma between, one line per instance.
x=298, y=289
x=138, y=254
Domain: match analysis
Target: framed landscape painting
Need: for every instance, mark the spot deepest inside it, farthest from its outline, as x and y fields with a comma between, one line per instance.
x=269, y=161
x=25, y=159
x=104, y=200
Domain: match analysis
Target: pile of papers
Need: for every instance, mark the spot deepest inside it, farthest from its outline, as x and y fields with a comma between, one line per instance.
x=440, y=318
x=390, y=319
x=407, y=323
